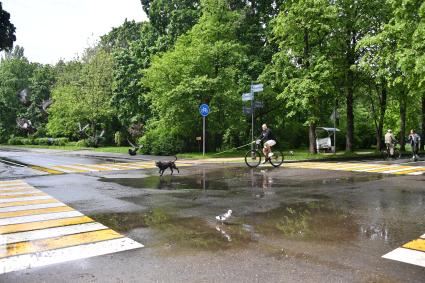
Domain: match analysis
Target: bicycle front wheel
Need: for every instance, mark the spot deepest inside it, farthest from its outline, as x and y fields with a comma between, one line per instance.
x=277, y=159
x=253, y=158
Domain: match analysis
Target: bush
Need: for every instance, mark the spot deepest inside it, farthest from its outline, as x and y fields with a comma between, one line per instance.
x=118, y=138
x=38, y=141
x=160, y=141
x=15, y=141
x=81, y=143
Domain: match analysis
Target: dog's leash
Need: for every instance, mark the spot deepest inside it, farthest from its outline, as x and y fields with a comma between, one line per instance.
x=232, y=149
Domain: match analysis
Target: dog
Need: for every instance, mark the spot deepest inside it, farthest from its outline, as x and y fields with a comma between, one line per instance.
x=163, y=165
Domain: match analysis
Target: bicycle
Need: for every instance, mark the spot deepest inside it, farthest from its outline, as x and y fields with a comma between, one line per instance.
x=253, y=156
x=385, y=152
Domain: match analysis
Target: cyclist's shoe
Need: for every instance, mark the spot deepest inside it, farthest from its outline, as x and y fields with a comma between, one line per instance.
x=270, y=154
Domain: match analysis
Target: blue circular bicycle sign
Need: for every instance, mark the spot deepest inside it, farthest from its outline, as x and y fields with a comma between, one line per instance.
x=204, y=109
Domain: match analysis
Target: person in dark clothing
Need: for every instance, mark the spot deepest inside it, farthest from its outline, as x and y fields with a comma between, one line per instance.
x=415, y=141
x=269, y=140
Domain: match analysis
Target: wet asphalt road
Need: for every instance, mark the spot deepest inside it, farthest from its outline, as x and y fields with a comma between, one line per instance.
x=289, y=225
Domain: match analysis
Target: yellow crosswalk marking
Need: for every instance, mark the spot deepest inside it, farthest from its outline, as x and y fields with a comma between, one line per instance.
x=389, y=168
x=29, y=189
x=418, y=245
x=58, y=242
x=28, y=202
x=14, y=182
x=35, y=211
x=14, y=228
x=69, y=168
x=360, y=167
x=45, y=169
x=23, y=195
x=413, y=170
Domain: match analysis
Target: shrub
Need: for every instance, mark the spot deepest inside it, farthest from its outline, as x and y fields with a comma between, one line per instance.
x=81, y=143
x=38, y=141
x=15, y=141
x=118, y=138
x=161, y=142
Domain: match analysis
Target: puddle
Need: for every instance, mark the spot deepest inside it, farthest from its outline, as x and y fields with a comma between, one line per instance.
x=203, y=179
x=269, y=207
x=181, y=233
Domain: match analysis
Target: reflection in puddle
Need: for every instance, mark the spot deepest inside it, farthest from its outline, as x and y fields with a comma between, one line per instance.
x=267, y=206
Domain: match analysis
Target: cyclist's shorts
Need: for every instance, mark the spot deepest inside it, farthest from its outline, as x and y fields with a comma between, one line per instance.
x=269, y=143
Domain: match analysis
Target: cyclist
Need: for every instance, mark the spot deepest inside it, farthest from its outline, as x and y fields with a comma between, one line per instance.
x=390, y=142
x=415, y=141
x=268, y=139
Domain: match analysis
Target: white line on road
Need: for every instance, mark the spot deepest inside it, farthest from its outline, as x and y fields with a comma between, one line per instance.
x=50, y=233
x=406, y=255
x=404, y=169
x=39, y=217
x=12, y=183
x=31, y=206
x=15, y=188
x=20, y=262
x=24, y=199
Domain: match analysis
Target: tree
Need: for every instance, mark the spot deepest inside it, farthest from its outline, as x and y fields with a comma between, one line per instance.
x=171, y=18
x=356, y=19
x=179, y=83
x=15, y=74
x=83, y=95
x=301, y=70
x=7, y=30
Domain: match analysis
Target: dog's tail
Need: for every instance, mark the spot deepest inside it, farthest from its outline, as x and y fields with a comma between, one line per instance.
x=175, y=156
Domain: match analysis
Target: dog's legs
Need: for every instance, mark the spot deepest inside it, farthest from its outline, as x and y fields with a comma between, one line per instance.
x=171, y=168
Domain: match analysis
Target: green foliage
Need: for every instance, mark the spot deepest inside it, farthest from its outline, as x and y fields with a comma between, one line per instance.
x=7, y=30
x=83, y=96
x=38, y=141
x=118, y=138
x=180, y=83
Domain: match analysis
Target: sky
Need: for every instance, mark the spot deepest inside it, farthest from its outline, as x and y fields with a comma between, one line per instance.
x=50, y=30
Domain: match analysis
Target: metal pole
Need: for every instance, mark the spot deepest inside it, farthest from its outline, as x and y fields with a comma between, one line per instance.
x=203, y=135
x=335, y=130
x=252, y=118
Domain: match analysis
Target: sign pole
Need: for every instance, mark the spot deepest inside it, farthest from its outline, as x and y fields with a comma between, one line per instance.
x=203, y=135
x=204, y=110
x=252, y=122
x=252, y=118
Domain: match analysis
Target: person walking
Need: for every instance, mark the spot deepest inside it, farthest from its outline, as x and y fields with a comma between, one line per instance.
x=390, y=142
x=415, y=141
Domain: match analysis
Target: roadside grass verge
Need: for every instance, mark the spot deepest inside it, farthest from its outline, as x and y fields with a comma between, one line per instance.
x=295, y=154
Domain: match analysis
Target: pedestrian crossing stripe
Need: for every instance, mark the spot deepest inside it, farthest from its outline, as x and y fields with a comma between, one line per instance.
x=412, y=252
x=395, y=169
x=37, y=230
x=85, y=168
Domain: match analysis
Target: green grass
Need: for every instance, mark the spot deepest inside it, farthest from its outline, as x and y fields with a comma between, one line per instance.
x=64, y=147
x=298, y=154
x=112, y=149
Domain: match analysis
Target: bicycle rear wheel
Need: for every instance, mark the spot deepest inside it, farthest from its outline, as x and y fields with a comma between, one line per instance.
x=397, y=153
x=277, y=159
x=253, y=158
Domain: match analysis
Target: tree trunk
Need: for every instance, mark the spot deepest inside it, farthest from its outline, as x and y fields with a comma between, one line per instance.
x=403, y=110
x=382, y=109
x=350, y=117
x=423, y=121
x=312, y=138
